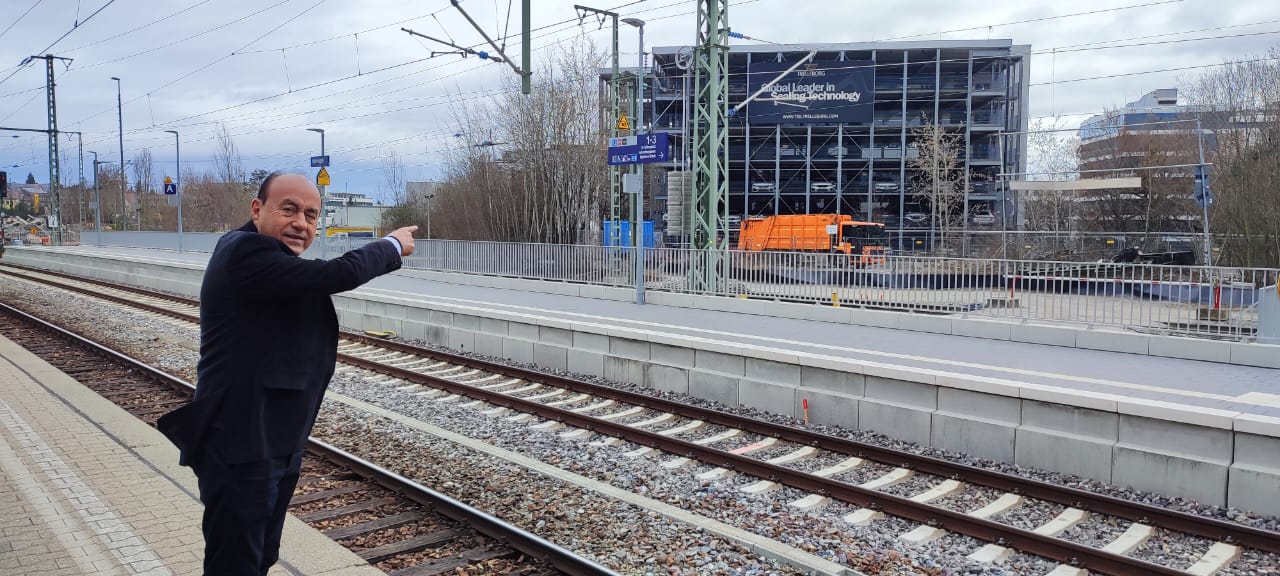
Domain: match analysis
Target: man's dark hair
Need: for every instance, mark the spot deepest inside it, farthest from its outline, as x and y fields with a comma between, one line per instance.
x=262, y=190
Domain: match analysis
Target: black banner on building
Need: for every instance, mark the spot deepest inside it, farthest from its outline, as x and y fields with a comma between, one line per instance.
x=812, y=93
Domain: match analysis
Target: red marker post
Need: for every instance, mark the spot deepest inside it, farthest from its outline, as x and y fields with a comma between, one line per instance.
x=804, y=402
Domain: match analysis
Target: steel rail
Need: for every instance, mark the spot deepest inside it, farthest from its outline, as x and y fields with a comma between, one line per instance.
x=482, y=522
x=1074, y=497
x=1047, y=546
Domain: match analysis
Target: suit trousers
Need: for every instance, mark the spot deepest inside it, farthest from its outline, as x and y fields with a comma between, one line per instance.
x=244, y=510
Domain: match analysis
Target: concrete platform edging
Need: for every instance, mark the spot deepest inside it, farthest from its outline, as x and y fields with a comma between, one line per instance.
x=1245, y=354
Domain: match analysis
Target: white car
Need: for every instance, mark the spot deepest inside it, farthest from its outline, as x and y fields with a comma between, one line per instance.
x=984, y=218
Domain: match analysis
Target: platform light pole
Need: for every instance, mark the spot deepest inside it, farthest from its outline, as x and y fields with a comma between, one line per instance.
x=97, y=200
x=324, y=207
x=637, y=202
x=1206, y=197
x=177, y=180
x=124, y=211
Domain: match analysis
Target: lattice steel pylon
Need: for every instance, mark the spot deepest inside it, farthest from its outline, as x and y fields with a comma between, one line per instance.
x=54, y=177
x=707, y=237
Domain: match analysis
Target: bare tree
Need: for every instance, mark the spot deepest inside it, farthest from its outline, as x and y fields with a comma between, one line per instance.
x=144, y=178
x=539, y=176
x=229, y=206
x=393, y=177
x=940, y=181
x=1052, y=156
x=1239, y=108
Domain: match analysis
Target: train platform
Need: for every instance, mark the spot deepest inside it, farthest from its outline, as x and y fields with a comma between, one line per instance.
x=1204, y=377
x=85, y=488
x=1193, y=418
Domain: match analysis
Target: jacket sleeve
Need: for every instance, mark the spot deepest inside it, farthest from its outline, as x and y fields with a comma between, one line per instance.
x=259, y=268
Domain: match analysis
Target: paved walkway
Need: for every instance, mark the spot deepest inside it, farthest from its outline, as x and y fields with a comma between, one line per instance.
x=85, y=488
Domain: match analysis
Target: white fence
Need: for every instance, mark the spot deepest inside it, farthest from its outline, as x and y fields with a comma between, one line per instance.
x=1214, y=302
x=1208, y=302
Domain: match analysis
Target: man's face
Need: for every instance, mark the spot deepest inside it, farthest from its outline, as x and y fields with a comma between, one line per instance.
x=290, y=213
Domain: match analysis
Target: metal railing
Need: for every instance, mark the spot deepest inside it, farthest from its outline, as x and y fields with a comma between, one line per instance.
x=1211, y=302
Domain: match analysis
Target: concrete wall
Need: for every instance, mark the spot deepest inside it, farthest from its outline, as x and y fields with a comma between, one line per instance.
x=1213, y=456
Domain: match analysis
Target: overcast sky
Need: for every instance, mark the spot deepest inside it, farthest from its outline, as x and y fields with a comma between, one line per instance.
x=347, y=68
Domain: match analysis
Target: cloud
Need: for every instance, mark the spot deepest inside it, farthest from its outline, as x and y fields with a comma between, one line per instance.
x=291, y=46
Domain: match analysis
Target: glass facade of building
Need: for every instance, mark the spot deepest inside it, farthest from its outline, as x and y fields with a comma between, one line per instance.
x=838, y=133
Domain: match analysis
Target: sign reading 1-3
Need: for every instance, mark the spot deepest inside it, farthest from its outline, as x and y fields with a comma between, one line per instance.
x=641, y=149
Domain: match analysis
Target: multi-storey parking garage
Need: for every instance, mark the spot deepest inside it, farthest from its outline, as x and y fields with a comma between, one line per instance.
x=837, y=134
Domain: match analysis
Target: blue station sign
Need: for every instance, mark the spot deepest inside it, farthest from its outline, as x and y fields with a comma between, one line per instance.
x=319, y=161
x=642, y=149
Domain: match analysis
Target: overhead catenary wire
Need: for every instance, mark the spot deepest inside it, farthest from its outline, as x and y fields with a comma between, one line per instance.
x=137, y=28
x=20, y=17
x=667, y=17
x=541, y=28
x=74, y=27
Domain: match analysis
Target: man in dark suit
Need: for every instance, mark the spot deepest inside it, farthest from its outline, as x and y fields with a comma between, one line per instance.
x=268, y=342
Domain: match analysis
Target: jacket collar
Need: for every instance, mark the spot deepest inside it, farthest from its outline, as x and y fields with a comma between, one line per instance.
x=251, y=227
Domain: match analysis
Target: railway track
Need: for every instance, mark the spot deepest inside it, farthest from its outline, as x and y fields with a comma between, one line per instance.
x=401, y=527
x=877, y=480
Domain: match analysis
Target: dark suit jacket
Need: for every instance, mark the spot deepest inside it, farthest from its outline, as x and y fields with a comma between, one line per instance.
x=268, y=341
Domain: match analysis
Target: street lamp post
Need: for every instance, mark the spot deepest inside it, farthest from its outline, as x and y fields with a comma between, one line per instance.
x=97, y=201
x=324, y=208
x=177, y=181
x=120, y=120
x=637, y=202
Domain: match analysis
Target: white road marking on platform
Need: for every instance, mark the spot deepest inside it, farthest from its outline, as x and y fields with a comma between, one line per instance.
x=133, y=554
x=1259, y=398
x=615, y=322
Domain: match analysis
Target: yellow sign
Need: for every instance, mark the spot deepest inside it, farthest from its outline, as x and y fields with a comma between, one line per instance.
x=168, y=180
x=322, y=177
x=35, y=198
x=623, y=123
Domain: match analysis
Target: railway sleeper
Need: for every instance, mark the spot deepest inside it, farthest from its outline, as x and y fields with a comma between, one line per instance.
x=416, y=544
x=375, y=525
x=461, y=560
x=333, y=513
x=300, y=499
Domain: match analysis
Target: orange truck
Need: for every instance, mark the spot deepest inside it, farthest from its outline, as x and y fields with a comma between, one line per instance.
x=866, y=242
